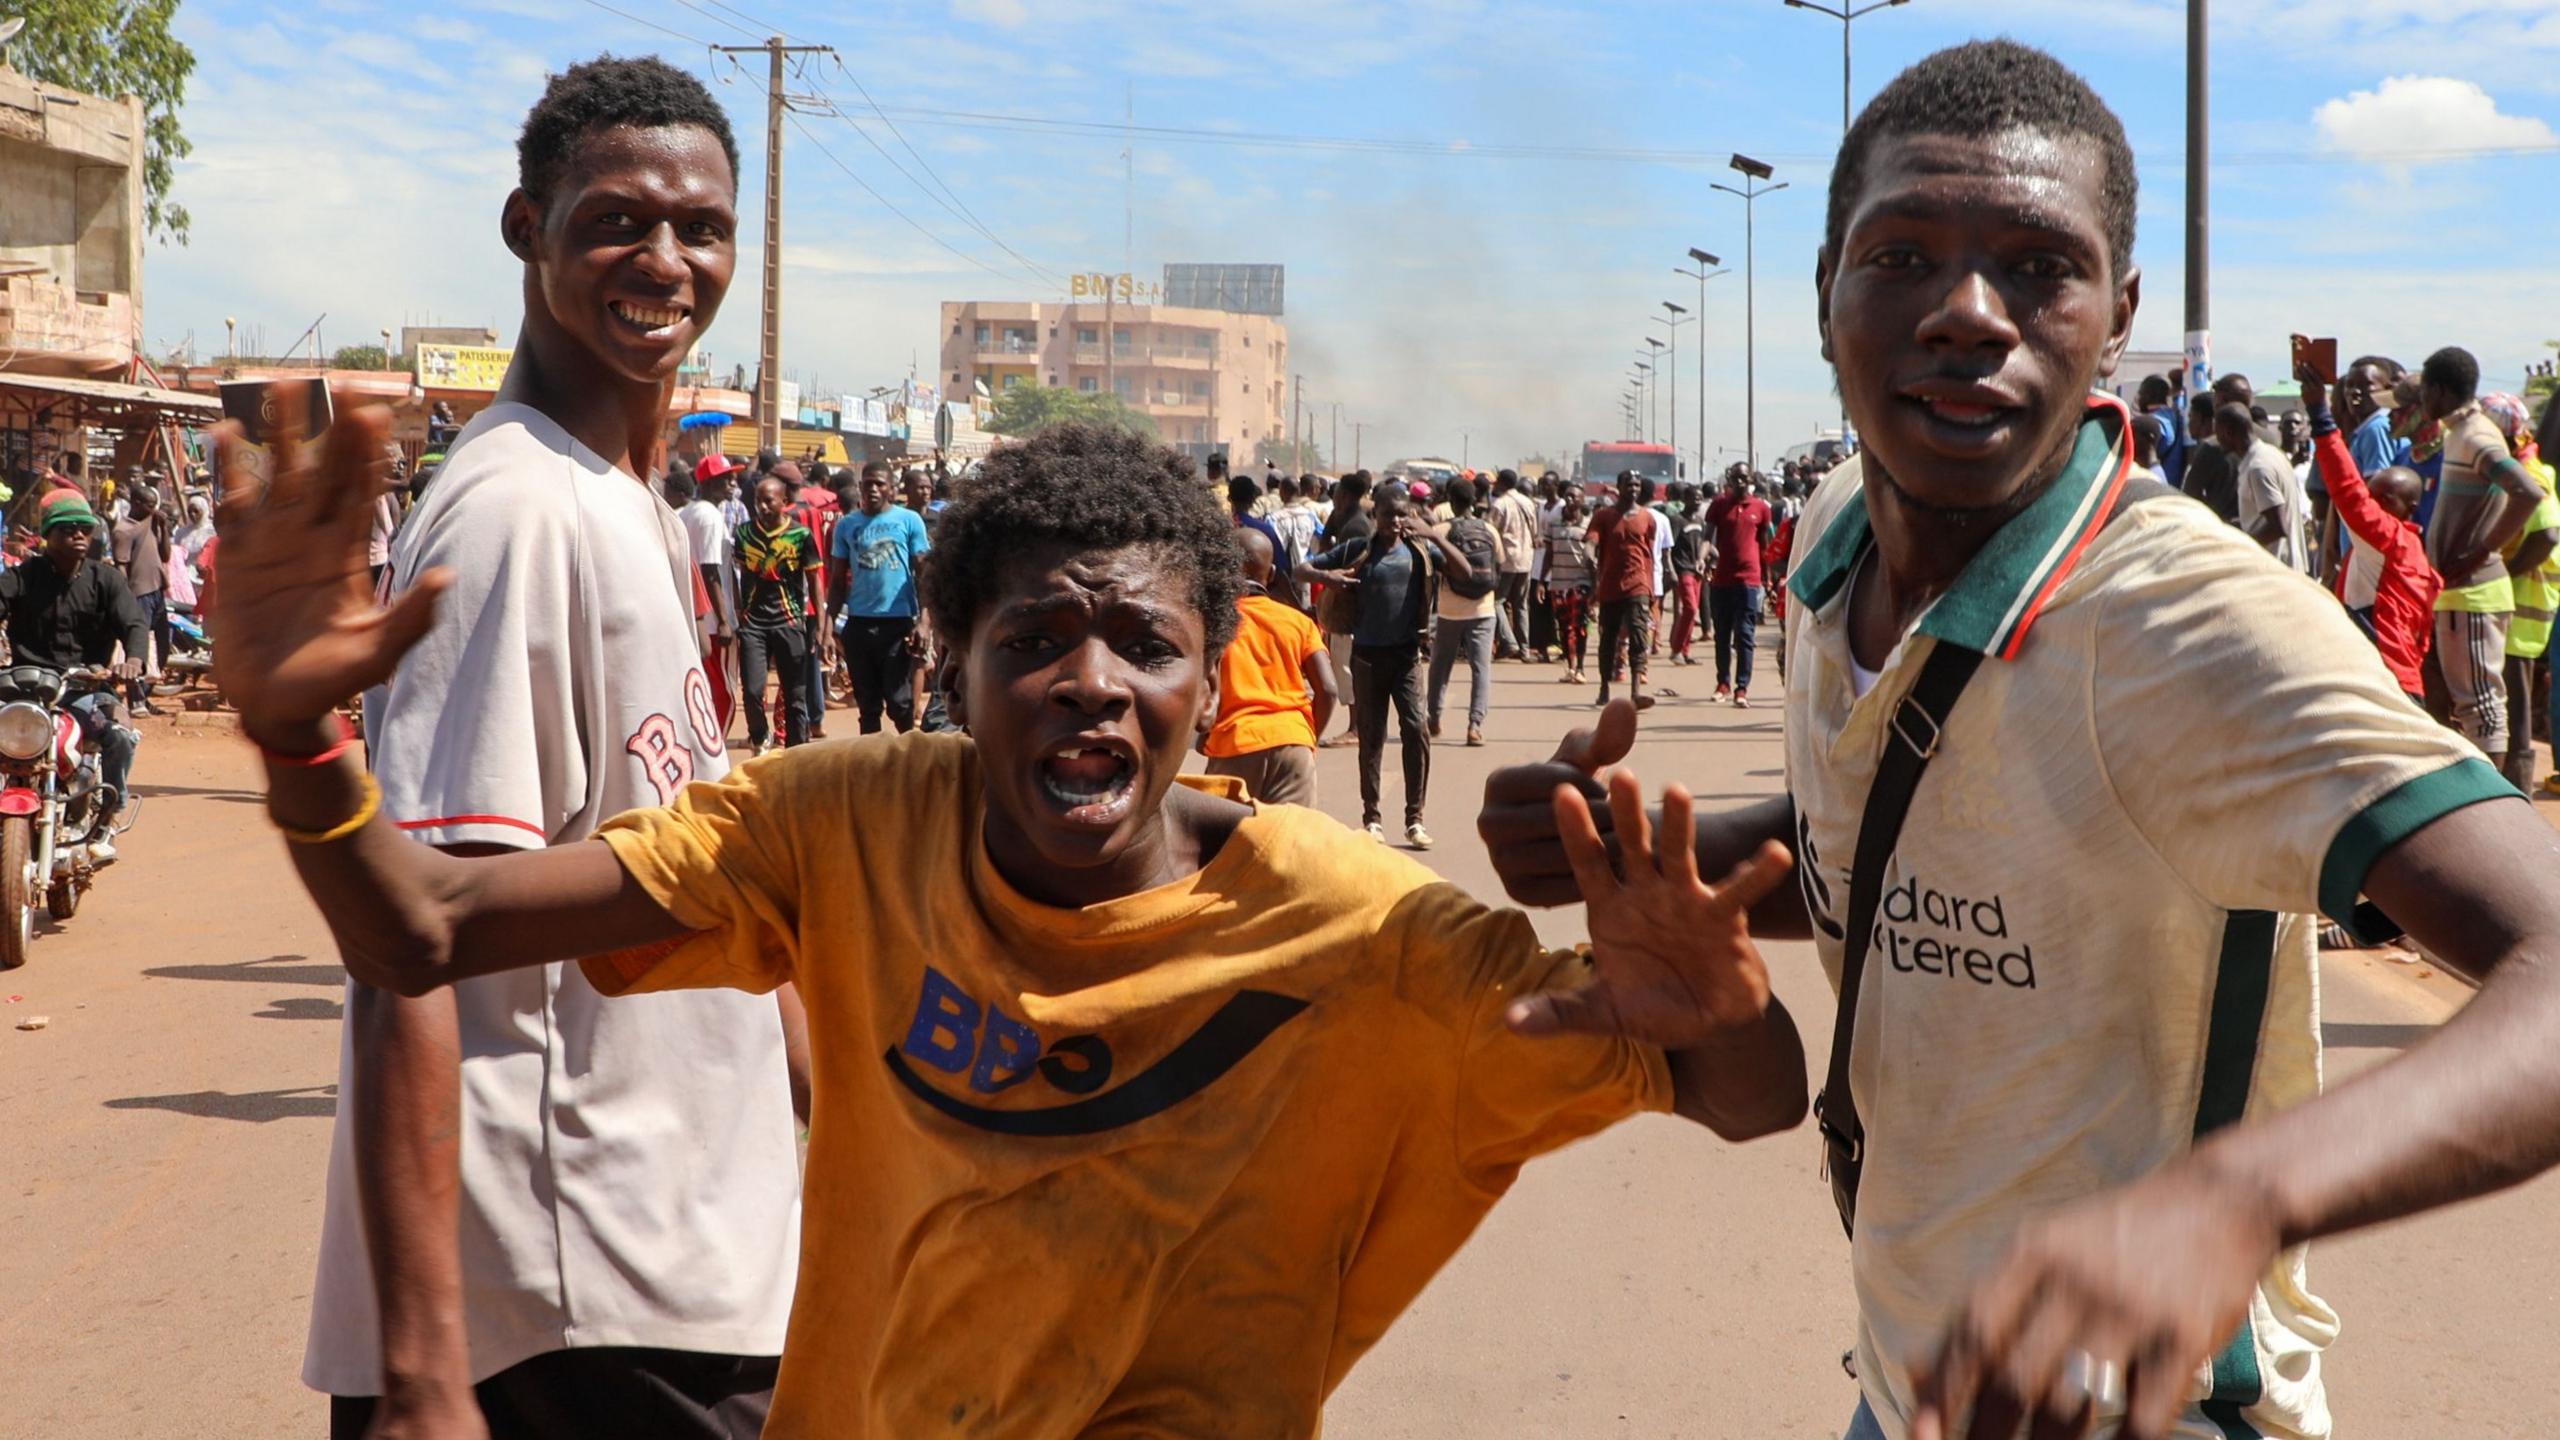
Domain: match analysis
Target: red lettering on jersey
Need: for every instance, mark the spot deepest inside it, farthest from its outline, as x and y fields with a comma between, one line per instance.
x=670, y=765
x=704, y=712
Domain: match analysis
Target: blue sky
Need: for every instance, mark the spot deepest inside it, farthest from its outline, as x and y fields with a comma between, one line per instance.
x=351, y=157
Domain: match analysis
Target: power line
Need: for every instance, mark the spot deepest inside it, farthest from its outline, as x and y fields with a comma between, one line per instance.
x=652, y=24
x=885, y=204
x=958, y=208
x=721, y=20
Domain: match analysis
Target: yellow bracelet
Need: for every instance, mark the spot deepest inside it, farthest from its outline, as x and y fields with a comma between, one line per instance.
x=365, y=812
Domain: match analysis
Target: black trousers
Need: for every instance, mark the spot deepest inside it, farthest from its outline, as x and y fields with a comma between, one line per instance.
x=883, y=670
x=1626, y=638
x=609, y=1393
x=784, y=651
x=1383, y=675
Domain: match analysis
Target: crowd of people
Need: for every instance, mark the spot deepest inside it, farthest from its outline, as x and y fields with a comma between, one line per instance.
x=2418, y=499
x=1140, y=1100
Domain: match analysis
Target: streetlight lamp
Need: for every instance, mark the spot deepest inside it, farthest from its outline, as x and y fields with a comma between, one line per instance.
x=1704, y=273
x=1751, y=171
x=1645, y=391
x=1844, y=15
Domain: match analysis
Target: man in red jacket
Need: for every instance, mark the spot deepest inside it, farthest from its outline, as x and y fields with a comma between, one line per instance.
x=2381, y=512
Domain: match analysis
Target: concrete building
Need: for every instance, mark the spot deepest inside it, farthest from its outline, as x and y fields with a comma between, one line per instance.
x=1208, y=378
x=71, y=230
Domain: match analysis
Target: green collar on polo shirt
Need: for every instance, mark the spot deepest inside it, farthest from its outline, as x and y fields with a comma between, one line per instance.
x=2004, y=589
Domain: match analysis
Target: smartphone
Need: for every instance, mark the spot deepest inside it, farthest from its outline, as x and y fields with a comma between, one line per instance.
x=2322, y=354
x=258, y=407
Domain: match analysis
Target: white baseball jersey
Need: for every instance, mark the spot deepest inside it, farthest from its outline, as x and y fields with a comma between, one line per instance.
x=629, y=1167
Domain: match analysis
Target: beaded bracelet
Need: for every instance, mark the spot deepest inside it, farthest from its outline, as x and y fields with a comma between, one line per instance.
x=365, y=812
x=346, y=742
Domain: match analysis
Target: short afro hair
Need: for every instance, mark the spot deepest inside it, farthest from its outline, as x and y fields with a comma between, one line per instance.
x=2454, y=371
x=604, y=93
x=1988, y=87
x=1091, y=486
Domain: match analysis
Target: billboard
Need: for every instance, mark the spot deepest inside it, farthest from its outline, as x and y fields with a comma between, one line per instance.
x=1241, y=289
x=462, y=367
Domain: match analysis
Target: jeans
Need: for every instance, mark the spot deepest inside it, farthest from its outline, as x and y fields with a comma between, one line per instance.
x=2517, y=763
x=875, y=651
x=784, y=651
x=817, y=673
x=1511, y=608
x=1383, y=675
x=1863, y=1426
x=590, y=1393
x=1735, y=609
x=155, y=612
x=1476, y=638
x=96, y=712
x=1626, y=636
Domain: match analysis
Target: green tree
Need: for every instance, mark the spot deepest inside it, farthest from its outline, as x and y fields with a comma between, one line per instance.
x=116, y=48
x=360, y=357
x=1028, y=409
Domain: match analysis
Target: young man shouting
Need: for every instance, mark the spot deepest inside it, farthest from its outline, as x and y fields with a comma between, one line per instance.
x=2076, y=1104
x=1139, y=1111
x=571, y=1217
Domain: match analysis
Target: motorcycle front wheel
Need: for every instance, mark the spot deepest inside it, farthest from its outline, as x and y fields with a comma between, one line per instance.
x=17, y=891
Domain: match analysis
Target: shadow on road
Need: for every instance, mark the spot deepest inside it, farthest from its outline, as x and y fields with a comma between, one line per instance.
x=175, y=792
x=310, y=1102
x=274, y=970
x=302, y=1007
x=2355, y=1035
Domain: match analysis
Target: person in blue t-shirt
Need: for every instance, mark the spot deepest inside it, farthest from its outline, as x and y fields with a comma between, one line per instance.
x=2156, y=400
x=871, y=571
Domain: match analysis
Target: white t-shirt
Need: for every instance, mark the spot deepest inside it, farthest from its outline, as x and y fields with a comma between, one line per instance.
x=2095, y=940
x=708, y=530
x=2267, y=483
x=630, y=1174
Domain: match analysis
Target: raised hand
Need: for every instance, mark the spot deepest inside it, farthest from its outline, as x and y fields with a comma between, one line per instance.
x=1672, y=956
x=1518, y=821
x=294, y=599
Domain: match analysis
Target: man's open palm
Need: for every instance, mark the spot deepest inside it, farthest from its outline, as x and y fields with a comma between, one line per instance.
x=1672, y=956
x=293, y=597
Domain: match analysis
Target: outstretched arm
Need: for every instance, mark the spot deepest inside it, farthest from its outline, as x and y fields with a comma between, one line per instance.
x=2152, y=1278
x=1674, y=964
x=300, y=634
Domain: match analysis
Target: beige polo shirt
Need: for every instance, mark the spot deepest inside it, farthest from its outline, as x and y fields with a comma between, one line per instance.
x=2096, y=941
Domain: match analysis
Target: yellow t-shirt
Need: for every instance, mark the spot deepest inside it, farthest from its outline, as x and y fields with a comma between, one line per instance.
x=1165, y=1166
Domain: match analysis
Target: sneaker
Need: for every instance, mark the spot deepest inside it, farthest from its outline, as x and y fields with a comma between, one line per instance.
x=1416, y=836
x=1644, y=701
x=1435, y=727
x=2551, y=787
x=1723, y=693
x=1475, y=735
x=102, y=852
x=1741, y=699
x=1377, y=832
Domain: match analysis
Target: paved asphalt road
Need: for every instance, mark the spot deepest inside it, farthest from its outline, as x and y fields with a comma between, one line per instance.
x=165, y=1136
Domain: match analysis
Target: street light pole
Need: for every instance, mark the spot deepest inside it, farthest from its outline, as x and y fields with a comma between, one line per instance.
x=1702, y=274
x=1659, y=390
x=1751, y=170
x=1845, y=16
x=1671, y=397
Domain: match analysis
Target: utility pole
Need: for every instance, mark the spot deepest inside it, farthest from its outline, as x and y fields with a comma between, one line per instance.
x=1297, y=450
x=2199, y=195
x=1358, y=427
x=1751, y=170
x=1333, y=452
x=769, y=356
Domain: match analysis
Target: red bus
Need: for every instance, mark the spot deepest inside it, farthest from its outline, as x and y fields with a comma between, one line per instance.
x=1603, y=459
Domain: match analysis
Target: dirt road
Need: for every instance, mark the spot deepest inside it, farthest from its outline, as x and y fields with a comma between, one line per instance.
x=165, y=1136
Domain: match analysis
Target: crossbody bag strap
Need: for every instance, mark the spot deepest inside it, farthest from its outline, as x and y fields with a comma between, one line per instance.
x=1911, y=737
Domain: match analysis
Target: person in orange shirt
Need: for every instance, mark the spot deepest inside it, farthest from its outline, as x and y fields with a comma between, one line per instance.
x=1275, y=691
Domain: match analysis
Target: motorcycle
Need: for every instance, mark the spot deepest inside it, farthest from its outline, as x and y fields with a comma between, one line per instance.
x=55, y=804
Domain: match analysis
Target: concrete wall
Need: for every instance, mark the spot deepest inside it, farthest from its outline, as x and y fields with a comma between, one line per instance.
x=71, y=229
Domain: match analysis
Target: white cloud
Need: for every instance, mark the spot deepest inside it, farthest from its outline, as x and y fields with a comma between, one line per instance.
x=1004, y=13
x=2411, y=118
